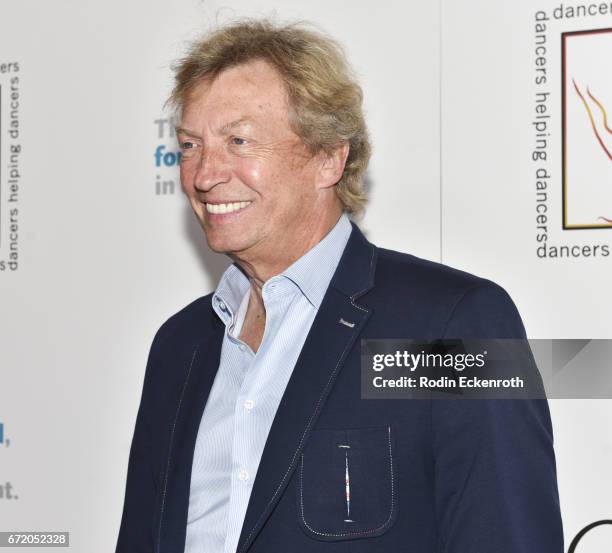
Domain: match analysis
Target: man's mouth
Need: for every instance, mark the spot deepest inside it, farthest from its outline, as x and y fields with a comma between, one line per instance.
x=219, y=209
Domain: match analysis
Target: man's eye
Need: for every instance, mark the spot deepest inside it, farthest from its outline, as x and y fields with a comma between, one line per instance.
x=187, y=145
x=238, y=141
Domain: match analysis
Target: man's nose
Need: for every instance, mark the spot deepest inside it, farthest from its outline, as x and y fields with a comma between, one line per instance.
x=213, y=168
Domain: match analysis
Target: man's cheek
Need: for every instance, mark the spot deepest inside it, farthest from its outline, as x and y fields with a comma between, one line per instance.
x=251, y=173
x=186, y=177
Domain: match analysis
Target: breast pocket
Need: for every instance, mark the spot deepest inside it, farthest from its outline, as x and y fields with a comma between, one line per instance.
x=347, y=484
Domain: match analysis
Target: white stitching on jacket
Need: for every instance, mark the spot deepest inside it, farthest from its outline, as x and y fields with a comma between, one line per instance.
x=350, y=533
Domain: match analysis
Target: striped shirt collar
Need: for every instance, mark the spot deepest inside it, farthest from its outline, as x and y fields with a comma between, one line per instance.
x=311, y=273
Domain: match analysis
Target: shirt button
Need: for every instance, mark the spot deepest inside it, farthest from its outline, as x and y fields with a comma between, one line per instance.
x=243, y=475
x=222, y=305
x=242, y=347
x=248, y=404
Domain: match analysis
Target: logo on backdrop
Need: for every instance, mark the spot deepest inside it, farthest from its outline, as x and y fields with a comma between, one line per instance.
x=572, y=133
x=587, y=132
x=166, y=158
x=10, y=165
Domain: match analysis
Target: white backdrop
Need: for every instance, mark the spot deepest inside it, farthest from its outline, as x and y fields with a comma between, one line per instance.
x=103, y=259
x=489, y=213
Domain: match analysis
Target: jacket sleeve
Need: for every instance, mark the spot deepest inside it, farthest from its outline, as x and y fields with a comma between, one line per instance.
x=495, y=474
x=136, y=530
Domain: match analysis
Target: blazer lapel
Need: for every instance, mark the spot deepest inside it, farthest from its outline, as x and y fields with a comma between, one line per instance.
x=200, y=373
x=314, y=375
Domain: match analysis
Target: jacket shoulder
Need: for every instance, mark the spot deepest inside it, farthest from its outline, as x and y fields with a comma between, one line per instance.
x=401, y=270
x=445, y=300
x=189, y=322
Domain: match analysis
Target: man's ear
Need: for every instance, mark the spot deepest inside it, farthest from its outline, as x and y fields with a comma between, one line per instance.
x=332, y=165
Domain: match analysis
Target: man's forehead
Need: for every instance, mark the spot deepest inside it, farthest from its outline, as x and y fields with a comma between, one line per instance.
x=258, y=116
x=239, y=96
x=222, y=127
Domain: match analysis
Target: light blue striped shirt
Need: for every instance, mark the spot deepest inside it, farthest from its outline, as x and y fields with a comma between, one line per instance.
x=248, y=388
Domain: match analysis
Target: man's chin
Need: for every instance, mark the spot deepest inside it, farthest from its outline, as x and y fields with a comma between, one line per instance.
x=225, y=245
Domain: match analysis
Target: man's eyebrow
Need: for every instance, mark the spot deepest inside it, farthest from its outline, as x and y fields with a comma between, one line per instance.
x=236, y=123
x=181, y=130
x=224, y=129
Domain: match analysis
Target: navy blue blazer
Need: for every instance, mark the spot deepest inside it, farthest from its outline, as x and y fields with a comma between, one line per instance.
x=453, y=476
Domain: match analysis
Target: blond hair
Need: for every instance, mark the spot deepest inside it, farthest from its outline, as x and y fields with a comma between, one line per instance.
x=325, y=100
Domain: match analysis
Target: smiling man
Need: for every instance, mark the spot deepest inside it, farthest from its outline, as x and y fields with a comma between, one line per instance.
x=259, y=194
x=251, y=433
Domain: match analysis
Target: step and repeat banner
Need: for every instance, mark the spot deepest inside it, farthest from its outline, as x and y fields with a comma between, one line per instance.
x=491, y=125
x=527, y=195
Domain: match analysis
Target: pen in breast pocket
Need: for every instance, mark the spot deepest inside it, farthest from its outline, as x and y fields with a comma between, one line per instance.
x=347, y=484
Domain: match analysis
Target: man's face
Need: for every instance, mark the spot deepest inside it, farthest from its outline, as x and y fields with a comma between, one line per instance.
x=248, y=176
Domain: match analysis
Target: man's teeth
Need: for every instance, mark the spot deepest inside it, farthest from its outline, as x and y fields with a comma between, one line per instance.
x=226, y=208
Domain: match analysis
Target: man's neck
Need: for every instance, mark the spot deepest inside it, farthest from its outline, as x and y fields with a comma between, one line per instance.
x=255, y=319
x=254, y=324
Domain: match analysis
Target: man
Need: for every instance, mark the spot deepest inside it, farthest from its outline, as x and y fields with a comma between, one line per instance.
x=251, y=406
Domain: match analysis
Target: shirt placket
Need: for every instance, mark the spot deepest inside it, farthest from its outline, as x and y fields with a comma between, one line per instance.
x=249, y=438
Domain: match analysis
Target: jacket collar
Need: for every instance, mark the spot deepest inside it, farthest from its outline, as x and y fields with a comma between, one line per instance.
x=355, y=273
